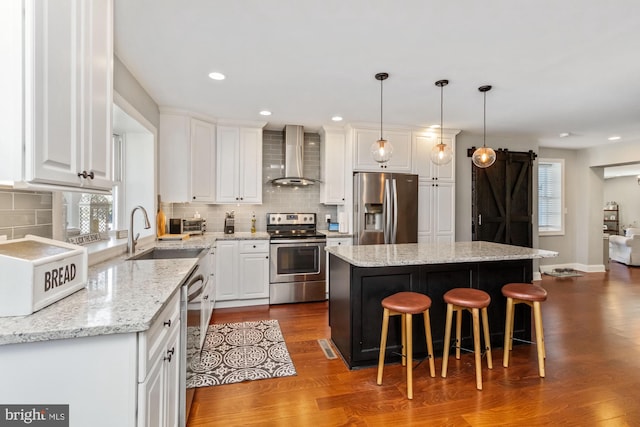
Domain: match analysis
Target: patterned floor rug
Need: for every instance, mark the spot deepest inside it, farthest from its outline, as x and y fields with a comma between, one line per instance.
x=236, y=352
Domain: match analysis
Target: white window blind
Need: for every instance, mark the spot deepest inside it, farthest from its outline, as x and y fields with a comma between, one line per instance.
x=550, y=196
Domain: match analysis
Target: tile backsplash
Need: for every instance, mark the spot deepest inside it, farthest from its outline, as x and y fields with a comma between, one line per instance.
x=25, y=212
x=274, y=198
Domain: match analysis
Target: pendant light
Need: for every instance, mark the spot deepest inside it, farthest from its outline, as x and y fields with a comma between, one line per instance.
x=441, y=153
x=381, y=150
x=484, y=156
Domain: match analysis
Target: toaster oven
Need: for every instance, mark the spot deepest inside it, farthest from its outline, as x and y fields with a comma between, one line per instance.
x=194, y=226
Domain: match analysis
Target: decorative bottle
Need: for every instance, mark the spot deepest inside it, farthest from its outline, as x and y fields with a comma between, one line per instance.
x=253, y=223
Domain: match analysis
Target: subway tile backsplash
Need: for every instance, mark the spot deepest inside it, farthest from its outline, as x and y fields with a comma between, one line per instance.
x=25, y=212
x=274, y=198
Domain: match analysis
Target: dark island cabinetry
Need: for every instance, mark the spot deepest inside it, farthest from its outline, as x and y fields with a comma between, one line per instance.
x=355, y=313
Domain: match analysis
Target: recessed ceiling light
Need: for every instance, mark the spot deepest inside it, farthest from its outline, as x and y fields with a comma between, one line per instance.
x=564, y=134
x=336, y=118
x=217, y=76
x=265, y=113
x=613, y=138
x=435, y=126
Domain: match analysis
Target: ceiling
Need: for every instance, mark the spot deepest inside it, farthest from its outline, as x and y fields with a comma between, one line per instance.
x=568, y=66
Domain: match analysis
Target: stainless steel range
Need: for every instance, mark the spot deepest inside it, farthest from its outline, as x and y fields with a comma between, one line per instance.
x=297, y=266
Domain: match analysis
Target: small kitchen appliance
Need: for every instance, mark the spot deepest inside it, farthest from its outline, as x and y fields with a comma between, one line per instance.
x=175, y=225
x=229, y=222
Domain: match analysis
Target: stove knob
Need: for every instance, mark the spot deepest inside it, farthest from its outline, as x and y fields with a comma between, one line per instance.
x=279, y=219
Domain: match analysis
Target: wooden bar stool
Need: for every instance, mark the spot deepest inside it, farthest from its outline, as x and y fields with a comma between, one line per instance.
x=531, y=295
x=476, y=302
x=406, y=304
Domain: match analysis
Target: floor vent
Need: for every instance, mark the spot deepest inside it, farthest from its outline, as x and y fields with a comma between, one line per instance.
x=326, y=349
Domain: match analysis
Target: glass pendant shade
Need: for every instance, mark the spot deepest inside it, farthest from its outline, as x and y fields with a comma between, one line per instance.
x=381, y=151
x=483, y=157
x=441, y=154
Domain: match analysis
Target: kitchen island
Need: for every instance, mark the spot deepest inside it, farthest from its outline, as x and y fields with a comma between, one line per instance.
x=361, y=276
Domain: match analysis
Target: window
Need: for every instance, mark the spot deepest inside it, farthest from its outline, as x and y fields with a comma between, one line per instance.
x=551, y=197
x=85, y=213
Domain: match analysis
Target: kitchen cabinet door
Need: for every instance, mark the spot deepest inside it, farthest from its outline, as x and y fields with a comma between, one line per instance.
x=332, y=166
x=63, y=91
x=436, y=207
x=203, y=152
x=239, y=165
x=400, y=159
x=226, y=270
x=254, y=275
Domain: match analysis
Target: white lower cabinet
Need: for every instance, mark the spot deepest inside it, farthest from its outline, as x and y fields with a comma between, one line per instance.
x=135, y=374
x=339, y=241
x=159, y=369
x=436, y=207
x=242, y=272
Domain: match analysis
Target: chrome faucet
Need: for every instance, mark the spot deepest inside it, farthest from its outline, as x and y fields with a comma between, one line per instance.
x=134, y=240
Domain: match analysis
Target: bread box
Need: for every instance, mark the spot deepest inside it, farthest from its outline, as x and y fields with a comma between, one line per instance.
x=37, y=272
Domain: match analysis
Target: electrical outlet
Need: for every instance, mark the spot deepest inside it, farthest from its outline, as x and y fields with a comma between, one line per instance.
x=327, y=218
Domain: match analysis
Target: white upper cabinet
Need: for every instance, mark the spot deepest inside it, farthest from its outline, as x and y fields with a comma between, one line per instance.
x=61, y=85
x=400, y=139
x=423, y=166
x=332, y=166
x=186, y=159
x=239, y=165
x=203, y=160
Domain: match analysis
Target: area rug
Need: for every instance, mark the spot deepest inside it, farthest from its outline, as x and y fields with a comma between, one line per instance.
x=236, y=352
x=563, y=272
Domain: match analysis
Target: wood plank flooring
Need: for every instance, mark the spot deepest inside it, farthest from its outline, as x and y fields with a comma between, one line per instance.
x=592, y=336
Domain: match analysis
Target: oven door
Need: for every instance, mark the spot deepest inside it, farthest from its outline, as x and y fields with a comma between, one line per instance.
x=297, y=261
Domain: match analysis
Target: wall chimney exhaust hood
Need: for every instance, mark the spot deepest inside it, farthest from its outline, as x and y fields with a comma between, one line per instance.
x=293, y=150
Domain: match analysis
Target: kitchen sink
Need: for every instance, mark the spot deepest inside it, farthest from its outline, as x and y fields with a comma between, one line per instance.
x=167, y=253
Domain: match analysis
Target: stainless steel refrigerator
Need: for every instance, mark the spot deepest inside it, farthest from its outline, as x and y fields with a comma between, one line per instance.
x=385, y=208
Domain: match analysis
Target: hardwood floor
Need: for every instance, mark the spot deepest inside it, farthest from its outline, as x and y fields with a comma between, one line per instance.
x=592, y=336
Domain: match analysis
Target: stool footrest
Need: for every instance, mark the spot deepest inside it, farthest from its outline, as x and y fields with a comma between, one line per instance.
x=521, y=340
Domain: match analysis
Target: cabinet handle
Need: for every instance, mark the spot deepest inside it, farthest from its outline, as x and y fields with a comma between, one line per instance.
x=194, y=197
x=479, y=219
x=168, y=323
x=86, y=175
x=254, y=246
x=267, y=257
x=170, y=354
x=206, y=297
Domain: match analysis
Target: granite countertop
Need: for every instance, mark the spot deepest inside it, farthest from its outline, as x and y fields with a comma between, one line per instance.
x=120, y=296
x=441, y=253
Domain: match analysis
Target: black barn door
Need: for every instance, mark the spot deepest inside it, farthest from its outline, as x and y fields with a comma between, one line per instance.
x=502, y=199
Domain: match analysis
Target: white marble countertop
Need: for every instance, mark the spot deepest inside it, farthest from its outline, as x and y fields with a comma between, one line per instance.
x=120, y=296
x=441, y=253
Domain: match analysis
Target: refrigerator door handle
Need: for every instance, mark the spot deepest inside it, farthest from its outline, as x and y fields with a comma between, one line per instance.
x=394, y=229
x=386, y=211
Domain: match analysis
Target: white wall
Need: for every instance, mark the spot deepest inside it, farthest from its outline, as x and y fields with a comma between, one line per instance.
x=626, y=192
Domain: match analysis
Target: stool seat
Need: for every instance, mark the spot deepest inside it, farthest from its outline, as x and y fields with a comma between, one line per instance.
x=524, y=291
x=467, y=297
x=407, y=302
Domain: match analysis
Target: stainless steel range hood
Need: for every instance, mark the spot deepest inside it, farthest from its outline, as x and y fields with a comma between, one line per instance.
x=293, y=150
